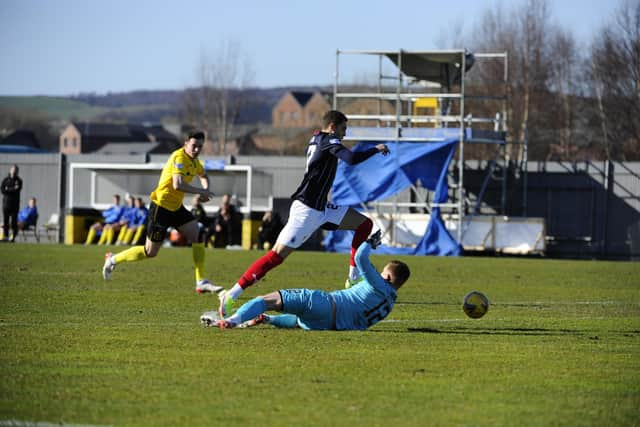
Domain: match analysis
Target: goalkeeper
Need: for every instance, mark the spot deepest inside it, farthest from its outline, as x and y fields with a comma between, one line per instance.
x=357, y=308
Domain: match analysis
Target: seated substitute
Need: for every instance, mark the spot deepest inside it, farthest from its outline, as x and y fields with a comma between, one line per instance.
x=28, y=216
x=111, y=216
x=136, y=228
x=357, y=308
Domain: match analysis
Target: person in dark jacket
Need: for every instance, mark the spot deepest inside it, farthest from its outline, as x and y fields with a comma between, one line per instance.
x=11, y=187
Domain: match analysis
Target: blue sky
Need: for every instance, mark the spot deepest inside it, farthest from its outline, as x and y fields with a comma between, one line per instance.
x=64, y=47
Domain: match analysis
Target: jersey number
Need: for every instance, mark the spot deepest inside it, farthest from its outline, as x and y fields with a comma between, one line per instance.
x=378, y=312
x=310, y=152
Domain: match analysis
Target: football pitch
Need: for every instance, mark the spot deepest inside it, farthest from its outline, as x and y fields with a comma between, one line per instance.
x=560, y=345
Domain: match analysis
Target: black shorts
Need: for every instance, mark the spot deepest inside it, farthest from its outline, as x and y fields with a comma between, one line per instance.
x=160, y=219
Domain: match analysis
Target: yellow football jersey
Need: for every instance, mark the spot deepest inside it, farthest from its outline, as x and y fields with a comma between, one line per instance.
x=178, y=164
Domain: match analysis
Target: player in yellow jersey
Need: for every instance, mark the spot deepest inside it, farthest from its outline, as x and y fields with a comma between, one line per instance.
x=166, y=210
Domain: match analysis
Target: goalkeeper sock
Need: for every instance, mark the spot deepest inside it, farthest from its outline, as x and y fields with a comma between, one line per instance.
x=248, y=311
x=287, y=321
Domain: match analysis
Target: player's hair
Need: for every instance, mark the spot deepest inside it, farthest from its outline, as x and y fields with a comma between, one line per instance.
x=400, y=272
x=196, y=135
x=333, y=116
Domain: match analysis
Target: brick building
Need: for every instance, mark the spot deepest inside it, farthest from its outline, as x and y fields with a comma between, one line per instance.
x=300, y=109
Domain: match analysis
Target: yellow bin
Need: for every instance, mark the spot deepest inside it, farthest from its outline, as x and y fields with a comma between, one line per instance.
x=77, y=222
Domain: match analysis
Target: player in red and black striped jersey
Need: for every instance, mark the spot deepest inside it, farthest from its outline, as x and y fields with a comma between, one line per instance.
x=310, y=210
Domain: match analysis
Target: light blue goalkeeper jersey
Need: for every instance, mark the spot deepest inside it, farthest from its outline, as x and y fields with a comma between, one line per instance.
x=369, y=301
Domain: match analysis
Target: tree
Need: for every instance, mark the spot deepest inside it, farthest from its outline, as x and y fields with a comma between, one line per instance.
x=215, y=105
x=615, y=77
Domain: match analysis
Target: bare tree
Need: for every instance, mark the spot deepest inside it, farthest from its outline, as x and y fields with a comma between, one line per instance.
x=565, y=63
x=615, y=74
x=215, y=105
x=523, y=31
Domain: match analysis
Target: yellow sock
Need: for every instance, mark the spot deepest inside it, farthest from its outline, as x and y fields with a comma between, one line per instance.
x=122, y=233
x=112, y=236
x=198, y=259
x=135, y=253
x=128, y=236
x=139, y=233
x=90, y=236
x=103, y=237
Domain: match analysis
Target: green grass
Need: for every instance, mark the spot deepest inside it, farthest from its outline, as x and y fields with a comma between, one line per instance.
x=68, y=109
x=559, y=346
x=53, y=107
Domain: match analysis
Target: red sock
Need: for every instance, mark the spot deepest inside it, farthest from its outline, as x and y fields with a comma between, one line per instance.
x=361, y=235
x=259, y=268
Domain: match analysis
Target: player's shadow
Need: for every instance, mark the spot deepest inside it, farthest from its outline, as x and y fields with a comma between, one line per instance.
x=497, y=331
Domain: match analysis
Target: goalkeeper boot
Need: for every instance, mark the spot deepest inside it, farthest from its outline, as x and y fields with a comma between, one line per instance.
x=253, y=322
x=108, y=266
x=224, y=324
x=204, y=286
x=227, y=304
x=209, y=318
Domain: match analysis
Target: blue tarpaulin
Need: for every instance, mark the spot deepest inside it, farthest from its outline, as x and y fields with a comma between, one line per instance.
x=381, y=177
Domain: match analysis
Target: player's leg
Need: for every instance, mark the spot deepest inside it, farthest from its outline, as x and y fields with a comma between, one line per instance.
x=138, y=235
x=190, y=230
x=362, y=225
x=303, y=222
x=122, y=234
x=14, y=225
x=104, y=234
x=158, y=220
x=5, y=223
x=91, y=234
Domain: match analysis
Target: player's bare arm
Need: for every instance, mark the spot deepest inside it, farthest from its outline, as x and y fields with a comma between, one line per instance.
x=180, y=185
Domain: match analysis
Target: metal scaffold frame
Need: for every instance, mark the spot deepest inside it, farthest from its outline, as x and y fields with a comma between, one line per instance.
x=453, y=66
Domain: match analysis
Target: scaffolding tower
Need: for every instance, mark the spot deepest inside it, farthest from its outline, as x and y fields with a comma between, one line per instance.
x=429, y=89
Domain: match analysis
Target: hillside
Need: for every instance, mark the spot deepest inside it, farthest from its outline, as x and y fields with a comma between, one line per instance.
x=134, y=107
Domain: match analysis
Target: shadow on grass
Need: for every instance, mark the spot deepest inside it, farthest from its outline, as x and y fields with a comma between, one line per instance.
x=498, y=331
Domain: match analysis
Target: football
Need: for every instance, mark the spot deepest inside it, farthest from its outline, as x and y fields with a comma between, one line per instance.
x=475, y=304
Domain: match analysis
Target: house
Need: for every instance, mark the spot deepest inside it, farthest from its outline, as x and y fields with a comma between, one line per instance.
x=89, y=137
x=297, y=109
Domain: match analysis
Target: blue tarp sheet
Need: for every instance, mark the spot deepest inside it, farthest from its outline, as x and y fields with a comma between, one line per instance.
x=381, y=177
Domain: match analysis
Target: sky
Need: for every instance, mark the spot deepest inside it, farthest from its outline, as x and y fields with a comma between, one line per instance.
x=67, y=47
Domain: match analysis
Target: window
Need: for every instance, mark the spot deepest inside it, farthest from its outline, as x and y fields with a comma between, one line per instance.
x=294, y=115
x=73, y=142
x=65, y=142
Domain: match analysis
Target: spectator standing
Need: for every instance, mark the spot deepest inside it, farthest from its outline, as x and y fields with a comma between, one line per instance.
x=226, y=224
x=270, y=227
x=11, y=187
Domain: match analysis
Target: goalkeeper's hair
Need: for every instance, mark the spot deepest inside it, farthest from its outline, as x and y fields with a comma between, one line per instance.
x=400, y=271
x=196, y=135
x=333, y=116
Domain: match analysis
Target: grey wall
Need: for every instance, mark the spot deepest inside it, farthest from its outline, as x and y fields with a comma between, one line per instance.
x=591, y=209
x=41, y=174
